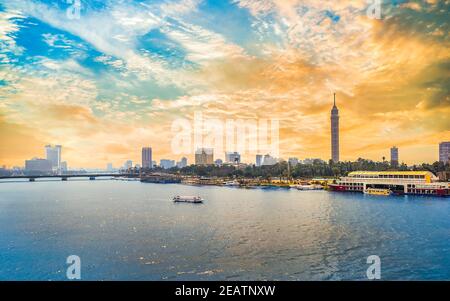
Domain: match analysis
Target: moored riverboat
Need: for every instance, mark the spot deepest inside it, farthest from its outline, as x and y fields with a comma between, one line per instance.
x=397, y=182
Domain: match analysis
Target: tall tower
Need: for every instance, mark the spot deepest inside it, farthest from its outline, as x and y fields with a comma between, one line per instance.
x=147, y=157
x=335, y=132
x=394, y=156
x=444, y=152
x=53, y=154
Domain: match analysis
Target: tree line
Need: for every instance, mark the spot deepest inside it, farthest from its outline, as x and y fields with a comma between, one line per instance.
x=317, y=168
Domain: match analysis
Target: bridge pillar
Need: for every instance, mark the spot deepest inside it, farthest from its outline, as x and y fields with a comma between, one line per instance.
x=31, y=179
x=64, y=179
x=91, y=178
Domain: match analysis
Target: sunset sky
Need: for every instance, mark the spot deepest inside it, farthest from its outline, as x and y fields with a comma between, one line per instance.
x=113, y=80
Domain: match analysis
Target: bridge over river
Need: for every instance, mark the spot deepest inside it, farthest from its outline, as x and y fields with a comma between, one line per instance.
x=32, y=178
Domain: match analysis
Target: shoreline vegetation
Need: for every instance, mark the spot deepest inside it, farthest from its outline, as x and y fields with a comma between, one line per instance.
x=318, y=168
x=315, y=175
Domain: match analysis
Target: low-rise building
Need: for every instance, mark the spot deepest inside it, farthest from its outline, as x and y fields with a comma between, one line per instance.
x=167, y=164
x=37, y=166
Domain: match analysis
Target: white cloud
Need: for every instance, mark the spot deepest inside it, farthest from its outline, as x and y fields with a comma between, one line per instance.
x=202, y=45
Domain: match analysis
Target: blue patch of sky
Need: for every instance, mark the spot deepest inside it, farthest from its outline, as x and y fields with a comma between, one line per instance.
x=145, y=89
x=226, y=18
x=398, y=2
x=31, y=38
x=170, y=51
x=85, y=5
x=332, y=16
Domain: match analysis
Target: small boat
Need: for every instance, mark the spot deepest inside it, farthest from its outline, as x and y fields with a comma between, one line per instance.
x=231, y=183
x=309, y=187
x=188, y=199
x=378, y=191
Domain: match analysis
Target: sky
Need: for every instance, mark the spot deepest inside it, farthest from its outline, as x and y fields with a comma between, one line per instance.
x=105, y=78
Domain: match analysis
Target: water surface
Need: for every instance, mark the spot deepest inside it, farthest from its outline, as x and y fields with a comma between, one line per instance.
x=132, y=231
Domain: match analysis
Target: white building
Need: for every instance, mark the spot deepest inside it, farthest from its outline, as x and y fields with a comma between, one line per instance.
x=259, y=159
x=53, y=154
x=167, y=164
x=37, y=165
x=232, y=157
x=269, y=160
x=182, y=163
x=64, y=166
x=128, y=164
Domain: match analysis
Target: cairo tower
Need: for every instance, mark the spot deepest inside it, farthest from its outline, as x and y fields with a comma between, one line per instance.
x=335, y=132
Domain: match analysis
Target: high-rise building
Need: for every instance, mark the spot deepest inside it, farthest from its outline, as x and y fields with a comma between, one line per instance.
x=167, y=164
x=232, y=157
x=259, y=159
x=444, y=152
x=394, y=156
x=182, y=163
x=335, y=132
x=204, y=156
x=53, y=154
x=147, y=157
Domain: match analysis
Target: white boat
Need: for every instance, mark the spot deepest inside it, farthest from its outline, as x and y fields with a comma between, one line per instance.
x=308, y=187
x=188, y=199
x=231, y=183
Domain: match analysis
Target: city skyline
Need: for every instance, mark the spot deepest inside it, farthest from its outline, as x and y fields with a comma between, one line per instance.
x=258, y=160
x=104, y=94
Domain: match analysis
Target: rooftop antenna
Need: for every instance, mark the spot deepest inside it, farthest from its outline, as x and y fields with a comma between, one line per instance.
x=334, y=99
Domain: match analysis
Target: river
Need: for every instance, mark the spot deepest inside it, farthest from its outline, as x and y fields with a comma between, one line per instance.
x=133, y=231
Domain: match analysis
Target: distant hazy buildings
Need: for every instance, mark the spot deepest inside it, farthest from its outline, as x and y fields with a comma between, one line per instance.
x=128, y=164
x=53, y=154
x=147, y=157
x=38, y=166
x=444, y=152
x=269, y=160
x=293, y=162
x=309, y=161
x=335, y=132
x=204, y=156
x=167, y=164
x=232, y=157
x=182, y=163
x=259, y=159
x=109, y=167
x=394, y=156
x=64, y=166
